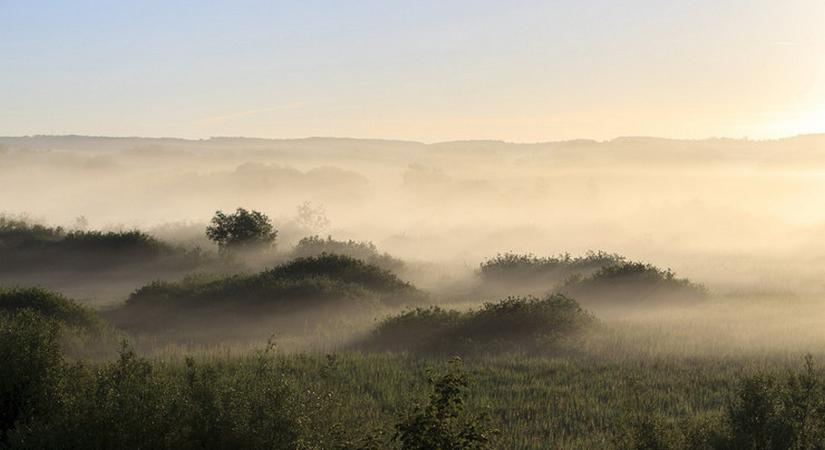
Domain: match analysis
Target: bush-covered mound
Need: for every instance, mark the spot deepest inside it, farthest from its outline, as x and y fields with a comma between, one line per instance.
x=26, y=246
x=528, y=273
x=365, y=251
x=50, y=305
x=630, y=282
x=318, y=285
x=515, y=323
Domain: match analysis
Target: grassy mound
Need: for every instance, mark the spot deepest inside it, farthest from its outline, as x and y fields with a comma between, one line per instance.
x=528, y=274
x=365, y=251
x=318, y=285
x=50, y=305
x=515, y=323
x=632, y=282
x=26, y=246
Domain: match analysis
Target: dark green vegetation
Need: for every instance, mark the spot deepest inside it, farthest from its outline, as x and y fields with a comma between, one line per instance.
x=597, y=278
x=629, y=282
x=513, y=268
x=98, y=265
x=241, y=230
x=524, y=324
x=26, y=246
x=538, y=372
x=767, y=412
x=365, y=251
x=385, y=401
x=49, y=304
x=318, y=287
x=262, y=401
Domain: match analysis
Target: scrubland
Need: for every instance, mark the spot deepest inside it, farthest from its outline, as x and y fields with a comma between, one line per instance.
x=577, y=295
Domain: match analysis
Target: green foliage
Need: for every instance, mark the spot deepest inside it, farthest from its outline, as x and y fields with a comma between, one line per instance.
x=30, y=368
x=348, y=270
x=529, y=268
x=26, y=246
x=241, y=229
x=630, y=282
x=365, y=251
x=515, y=323
x=770, y=413
x=134, y=403
x=51, y=305
x=415, y=330
x=442, y=422
x=322, y=284
x=766, y=413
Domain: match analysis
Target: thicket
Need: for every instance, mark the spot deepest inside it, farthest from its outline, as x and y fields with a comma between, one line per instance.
x=529, y=268
x=51, y=305
x=363, y=250
x=316, y=285
x=25, y=246
x=516, y=323
x=632, y=282
x=766, y=412
x=47, y=402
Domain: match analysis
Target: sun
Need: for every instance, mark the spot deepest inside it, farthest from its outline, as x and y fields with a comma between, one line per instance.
x=811, y=121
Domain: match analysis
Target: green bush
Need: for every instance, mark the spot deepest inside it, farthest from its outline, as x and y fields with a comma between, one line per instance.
x=415, y=329
x=442, y=422
x=515, y=323
x=365, y=251
x=632, y=281
x=529, y=268
x=766, y=413
x=30, y=370
x=26, y=246
x=322, y=285
x=50, y=304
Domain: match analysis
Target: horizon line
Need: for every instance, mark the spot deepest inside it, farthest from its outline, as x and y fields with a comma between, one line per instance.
x=410, y=141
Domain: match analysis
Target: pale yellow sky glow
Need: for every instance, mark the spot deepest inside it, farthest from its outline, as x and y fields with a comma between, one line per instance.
x=526, y=72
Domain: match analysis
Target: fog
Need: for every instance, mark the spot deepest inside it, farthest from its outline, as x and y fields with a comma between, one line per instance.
x=733, y=214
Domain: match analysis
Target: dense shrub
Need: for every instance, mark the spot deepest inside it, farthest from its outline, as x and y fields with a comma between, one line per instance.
x=51, y=305
x=515, y=323
x=349, y=270
x=30, y=368
x=632, y=281
x=767, y=412
x=251, y=403
x=442, y=422
x=529, y=268
x=132, y=403
x=20, y=232
x=415, y=329
x=26, y=246
x=320, y=285
x=365, y=251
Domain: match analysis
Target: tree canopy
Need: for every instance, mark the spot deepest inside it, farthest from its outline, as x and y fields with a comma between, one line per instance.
x=241, y=229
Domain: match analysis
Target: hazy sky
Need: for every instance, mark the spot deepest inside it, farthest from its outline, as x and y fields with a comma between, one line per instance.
x=421, y=70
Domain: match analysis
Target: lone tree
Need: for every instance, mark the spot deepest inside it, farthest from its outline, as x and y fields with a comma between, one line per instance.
x=240, y=230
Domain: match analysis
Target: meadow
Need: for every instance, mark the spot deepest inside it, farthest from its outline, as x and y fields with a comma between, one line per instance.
x=432, y=304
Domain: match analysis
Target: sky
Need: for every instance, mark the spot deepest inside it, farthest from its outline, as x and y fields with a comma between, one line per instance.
x=520, y=71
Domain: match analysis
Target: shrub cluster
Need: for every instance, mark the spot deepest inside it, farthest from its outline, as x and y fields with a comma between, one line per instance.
x=767, y=412
x=529, y=268
x=365, y=251
x=515, y=323
x=632, y=281
x=26, y=246
x=51, y=305
x=326, y=283
x=252, y=403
